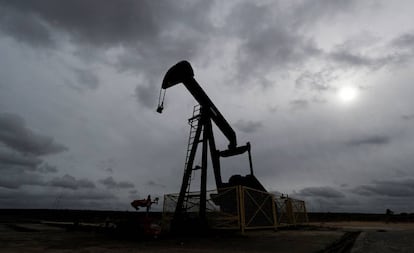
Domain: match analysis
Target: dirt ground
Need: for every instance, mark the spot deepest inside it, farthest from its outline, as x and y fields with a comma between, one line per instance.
x=378, y=237
x=44, y=238
x=319, y=237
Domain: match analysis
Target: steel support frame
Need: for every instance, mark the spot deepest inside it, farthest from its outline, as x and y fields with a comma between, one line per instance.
x=204, y=127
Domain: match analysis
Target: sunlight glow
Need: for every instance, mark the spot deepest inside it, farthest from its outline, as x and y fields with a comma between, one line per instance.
x=347, y=94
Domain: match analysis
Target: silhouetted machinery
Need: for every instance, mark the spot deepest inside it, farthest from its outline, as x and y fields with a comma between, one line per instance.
x=147, y=203
x=202, y=134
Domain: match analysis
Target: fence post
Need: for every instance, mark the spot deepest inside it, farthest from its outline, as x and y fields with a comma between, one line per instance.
x=242, y=213
x=289, y=211
x=305, y=212
x=274, y=212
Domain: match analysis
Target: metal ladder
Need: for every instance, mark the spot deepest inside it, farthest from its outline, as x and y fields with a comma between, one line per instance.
x=193, y=122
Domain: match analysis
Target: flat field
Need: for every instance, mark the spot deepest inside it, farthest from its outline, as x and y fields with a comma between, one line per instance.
x=80, y=231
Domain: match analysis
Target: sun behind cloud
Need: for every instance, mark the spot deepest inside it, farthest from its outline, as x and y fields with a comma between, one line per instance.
x=347, y=94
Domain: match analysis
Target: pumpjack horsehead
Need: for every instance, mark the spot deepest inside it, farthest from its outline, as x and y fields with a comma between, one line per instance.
x=144, y=203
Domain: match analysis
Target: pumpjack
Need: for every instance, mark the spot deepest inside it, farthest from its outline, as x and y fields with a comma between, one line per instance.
x=201, y=122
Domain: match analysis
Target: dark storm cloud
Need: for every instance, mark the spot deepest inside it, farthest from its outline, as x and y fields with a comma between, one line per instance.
x=350, y=55
x=248, y=126
x=346, y=57
x=349, y=58
x=387, y=188
x=8, y=158
x=15, y=134
x=307, y=12
x=110, y=183
x=319, y=81
x=272, y=38
x=25, y=27
x=96, y=22
x=273, y=47
x=145, y=95
x=70, y=182
x=47, y=168
x=142, y=25
x=321, y=192
x=19, y=169
x=326, y=198
x=403, y=46
x=150, y=35
x=265, y=43
x=86, y=78
x=375, y=140
x=16, y=179
x=404, y=41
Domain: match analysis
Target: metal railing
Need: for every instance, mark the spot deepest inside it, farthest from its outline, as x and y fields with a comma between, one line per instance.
x=235, y=207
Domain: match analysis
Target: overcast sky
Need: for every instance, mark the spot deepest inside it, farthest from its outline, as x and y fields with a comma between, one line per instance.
x=322, y=89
